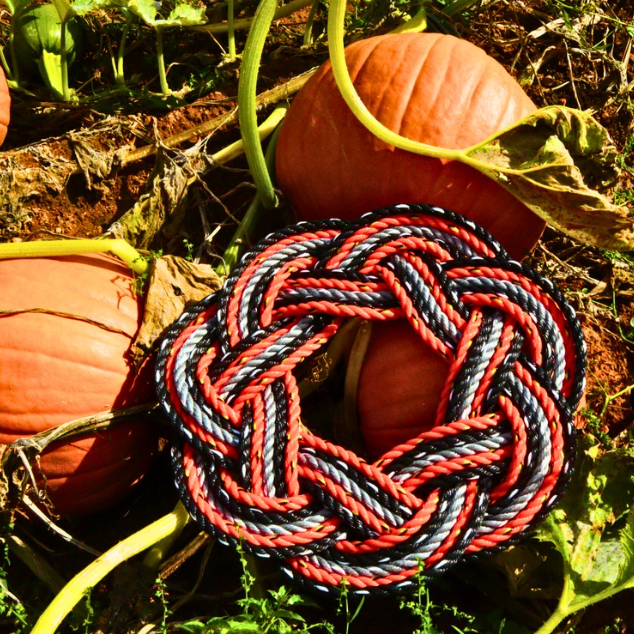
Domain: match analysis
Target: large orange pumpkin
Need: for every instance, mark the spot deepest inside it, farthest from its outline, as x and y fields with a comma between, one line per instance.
x=5, y=106
x=431, y=88
x=65, y=336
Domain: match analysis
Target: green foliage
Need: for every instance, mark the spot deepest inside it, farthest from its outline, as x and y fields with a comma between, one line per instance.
x=343, y=606
x=275, y=613
x=13, y=613
x=595, y=423
x=593, y=530
x=161, y=594
x=48, y=36
x=421, y=606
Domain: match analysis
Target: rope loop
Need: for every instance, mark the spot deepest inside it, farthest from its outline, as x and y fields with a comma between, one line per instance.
x=493, y=466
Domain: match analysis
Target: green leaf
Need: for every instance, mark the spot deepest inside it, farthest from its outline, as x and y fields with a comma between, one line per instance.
x=64, y=9
x=82, y=7
x=193, y=627
x=50, y=66
x=185, y=15
x=595, y=565
x=144, y=9
x=287, y=614
x=555, y=161
x=626, y=573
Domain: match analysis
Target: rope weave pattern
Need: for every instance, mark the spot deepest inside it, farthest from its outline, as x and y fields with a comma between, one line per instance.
x=496, y=461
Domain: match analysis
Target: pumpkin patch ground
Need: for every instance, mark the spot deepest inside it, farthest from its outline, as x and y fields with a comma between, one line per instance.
x=123, y=160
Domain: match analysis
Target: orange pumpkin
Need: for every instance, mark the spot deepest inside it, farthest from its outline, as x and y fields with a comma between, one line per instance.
x=410, y=378
x=432, y=88
x=5, y=106
x=65, y=336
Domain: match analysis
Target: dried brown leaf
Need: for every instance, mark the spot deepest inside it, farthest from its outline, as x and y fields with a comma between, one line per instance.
x=174, y=283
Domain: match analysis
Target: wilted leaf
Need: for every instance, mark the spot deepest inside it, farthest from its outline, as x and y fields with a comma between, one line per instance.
x=174, y=283
x=623, y=282
x=555, y=161
x=92, y=159
x=163, y=204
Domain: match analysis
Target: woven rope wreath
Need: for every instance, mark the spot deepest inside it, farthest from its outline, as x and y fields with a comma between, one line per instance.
x=248, y=469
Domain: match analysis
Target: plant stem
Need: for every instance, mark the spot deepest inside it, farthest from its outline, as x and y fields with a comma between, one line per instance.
x=165, y=89
x=15, y=64
x=119, y=74
x=308, y=29
x=245, y=23
x=416, y=24
x=75, y=589
x=336, y=16
x=247, y=113
x=236, y=148
x=458, y=6
x=231, y=30
x=553, y=621
x=35, y=562
x=246, y=228
x=267, y=98
x=5, y=64
x=56, y=248
x=50, y=67
x=609, y=398
x=155, y=555
x=64, y=61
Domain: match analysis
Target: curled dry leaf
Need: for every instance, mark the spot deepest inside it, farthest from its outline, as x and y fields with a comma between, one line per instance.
x=174, y=283
x=556, y=161
x=158, y=209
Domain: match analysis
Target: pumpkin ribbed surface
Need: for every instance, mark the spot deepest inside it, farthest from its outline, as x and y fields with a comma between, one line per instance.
x=399, y=387
x=5, y=106
x=431, y=88
x=64, y=354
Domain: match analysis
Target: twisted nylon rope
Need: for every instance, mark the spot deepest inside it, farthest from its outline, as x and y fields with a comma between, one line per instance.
x=497, y=460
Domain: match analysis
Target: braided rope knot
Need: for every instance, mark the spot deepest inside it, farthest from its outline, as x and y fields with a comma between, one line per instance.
x=496, y=461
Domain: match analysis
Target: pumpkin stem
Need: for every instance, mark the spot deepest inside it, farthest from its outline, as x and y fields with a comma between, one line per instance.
x=77, y=587
x=336, y=15
x=56, y=248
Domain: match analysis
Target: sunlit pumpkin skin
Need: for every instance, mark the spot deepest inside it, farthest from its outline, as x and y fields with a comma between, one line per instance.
x=5, y=106
x=56, y=368
x=399, y=387
x=432, y=88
